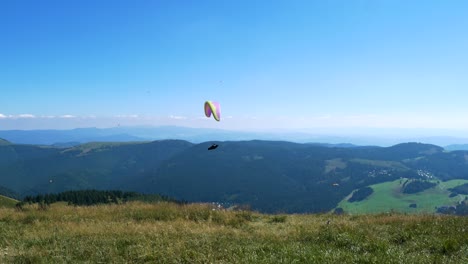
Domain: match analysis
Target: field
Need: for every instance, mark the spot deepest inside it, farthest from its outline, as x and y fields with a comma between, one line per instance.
x=387, y=197
x=139, y=232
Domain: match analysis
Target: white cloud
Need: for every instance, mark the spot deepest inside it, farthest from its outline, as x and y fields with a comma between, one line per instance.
x=177, y=117
x=31, y=116
x=126, y=116
x=67, y=116
x=26, y=116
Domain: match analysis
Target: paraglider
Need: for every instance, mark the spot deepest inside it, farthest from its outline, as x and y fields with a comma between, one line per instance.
x=213, y=108
x=214, y=146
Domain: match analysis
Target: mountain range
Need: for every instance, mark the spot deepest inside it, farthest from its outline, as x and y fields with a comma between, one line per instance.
x=380, y=137
x=269, y=176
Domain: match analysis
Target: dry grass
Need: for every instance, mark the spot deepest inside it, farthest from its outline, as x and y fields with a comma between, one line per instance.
x=168, y=233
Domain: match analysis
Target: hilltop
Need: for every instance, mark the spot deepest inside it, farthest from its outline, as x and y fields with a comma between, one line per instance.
x=139, y=232
x=7, y=202
x=4, y=142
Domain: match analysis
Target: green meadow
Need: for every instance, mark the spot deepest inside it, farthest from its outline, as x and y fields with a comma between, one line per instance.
x=138, y=232
x=388, y=197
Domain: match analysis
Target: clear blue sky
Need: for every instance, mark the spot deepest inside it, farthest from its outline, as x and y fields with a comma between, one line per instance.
x=271, y=64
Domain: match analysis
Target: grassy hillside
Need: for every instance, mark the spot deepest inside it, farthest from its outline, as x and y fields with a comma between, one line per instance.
x=87, y=166
x=273, y=176
x=388, y=196
x=7, y=202
x=168, y=233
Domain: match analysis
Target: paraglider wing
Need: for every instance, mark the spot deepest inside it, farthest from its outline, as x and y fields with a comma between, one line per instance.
x=213, y=108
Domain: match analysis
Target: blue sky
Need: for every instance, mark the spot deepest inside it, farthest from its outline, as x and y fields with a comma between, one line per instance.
x=271, y=64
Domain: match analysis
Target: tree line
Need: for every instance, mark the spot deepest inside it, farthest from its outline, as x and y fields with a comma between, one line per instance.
x=93, y=197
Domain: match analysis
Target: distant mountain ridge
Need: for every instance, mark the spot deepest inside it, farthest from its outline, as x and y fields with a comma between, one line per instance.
x=4, y=142
x=457, y=147
x=8, y=193
x=270, y=176
x=51, y=137
x=199, y=135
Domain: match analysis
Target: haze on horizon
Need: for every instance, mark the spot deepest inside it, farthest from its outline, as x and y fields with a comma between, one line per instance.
x=366, y=66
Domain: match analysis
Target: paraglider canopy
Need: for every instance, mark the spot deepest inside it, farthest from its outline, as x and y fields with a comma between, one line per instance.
x=213, y=108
